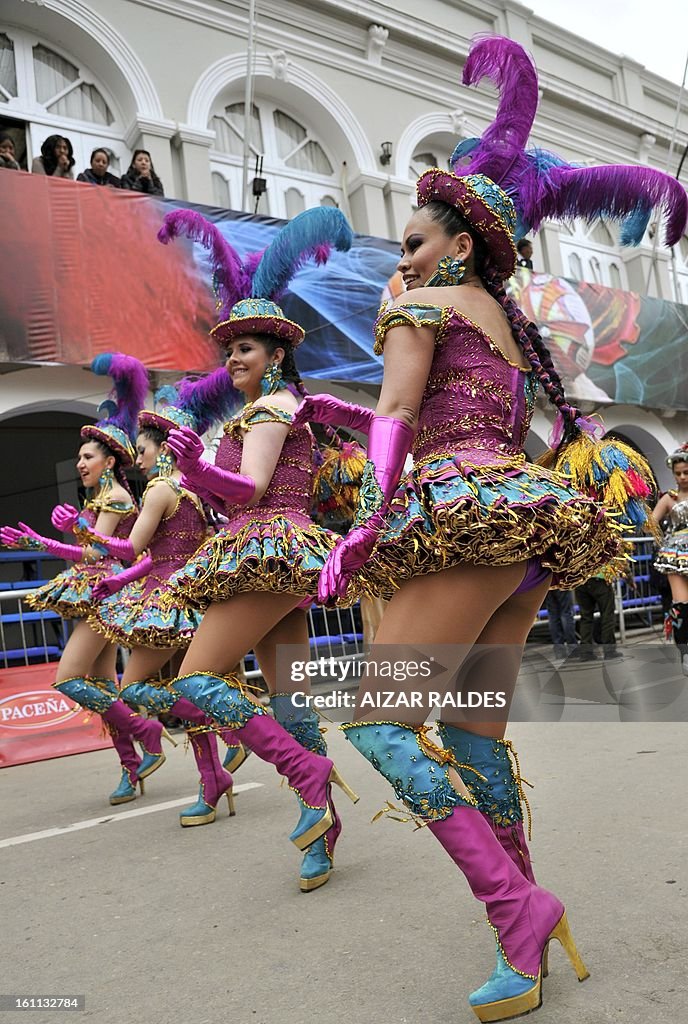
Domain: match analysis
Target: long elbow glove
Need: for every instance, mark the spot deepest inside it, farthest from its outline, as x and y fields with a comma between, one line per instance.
x=334, y=413
x=26, y=539
x=389, y=442
x=113, y=584
x=187, y=448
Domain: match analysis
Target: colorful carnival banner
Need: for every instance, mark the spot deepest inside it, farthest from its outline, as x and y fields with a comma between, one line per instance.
x=83, y=273
x=37, y=722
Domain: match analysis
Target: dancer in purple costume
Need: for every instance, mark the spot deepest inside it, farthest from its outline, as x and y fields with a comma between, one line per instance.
x=131, y=608
x=468, y=544
x=252, y=577
x=87, y=669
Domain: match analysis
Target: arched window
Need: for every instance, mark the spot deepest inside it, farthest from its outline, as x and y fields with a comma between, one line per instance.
x=221, y=194
x=294, y=202
x=300, y=172
x=52, y=93
x=420, y=161
x=575, y=267
x=597, y=258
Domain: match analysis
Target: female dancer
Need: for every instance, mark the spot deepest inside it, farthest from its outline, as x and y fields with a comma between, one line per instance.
x=469, y=542
x=87, y=669
x=672, y=557
x=131, y=610
x=255, y=573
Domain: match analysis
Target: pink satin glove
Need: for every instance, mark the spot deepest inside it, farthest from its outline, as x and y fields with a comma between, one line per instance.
x=187, y=448
x=64, y=518
x=389, y=442
x=333, y=412
x=207, y=496
x=350, y=555
x=26, y=539
x=118, y=547
x=113, y=584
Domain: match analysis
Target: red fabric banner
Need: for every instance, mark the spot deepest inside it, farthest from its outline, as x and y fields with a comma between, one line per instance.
x=37, y=722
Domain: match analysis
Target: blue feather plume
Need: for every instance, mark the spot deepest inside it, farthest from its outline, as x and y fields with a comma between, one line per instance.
x=307, y=235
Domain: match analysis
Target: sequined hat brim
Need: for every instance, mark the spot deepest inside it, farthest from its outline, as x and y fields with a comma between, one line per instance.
x=92, y=432
x=455, y=191
x=278, y=327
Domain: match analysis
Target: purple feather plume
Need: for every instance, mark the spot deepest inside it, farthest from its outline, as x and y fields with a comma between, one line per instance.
x=210, y=399
x=500, y=152
x=230, y=277
x=130, y=388
x=540, y=183
x=612, y=192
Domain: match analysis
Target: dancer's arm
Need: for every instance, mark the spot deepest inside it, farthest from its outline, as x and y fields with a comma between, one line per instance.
x=158, y=501
x=112, y=584
x=663, y=508
x=409, y=349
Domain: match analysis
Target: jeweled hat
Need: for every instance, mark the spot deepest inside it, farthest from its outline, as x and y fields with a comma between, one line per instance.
x=195, y=402
x=680, y=455
x=116, y=428
x=483, y=205
x=258, y=316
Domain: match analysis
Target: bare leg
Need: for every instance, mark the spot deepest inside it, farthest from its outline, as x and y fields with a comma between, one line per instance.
x=143, y=664
x=82, y=654
x=508, y=628
x=292, y=629
x=679, y=586
x=231, y=628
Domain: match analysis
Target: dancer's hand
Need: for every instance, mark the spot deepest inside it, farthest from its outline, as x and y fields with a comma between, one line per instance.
x=64, y=518
x=350, y=555
x=24, y=539
x=186, y=446
x=334, y=412
x=107, y=587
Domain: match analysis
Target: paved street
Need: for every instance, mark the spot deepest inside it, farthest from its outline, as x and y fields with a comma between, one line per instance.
x=154, y=923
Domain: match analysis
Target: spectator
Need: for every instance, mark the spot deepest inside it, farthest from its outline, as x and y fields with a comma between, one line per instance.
x=97, y=173
x=525, y=253
x=562, y=629
x=141, y=176
x=56, y=159
x=596, y=593
x=7, y=153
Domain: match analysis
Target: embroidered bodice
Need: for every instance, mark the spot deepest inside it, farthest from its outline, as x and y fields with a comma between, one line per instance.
x=291, y=487
x=179, y=534
x=127, y=515
x=679, y=515
x=476, y=401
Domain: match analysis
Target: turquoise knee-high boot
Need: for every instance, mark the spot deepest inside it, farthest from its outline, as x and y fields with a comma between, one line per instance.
x=302, y=723
x=222, y=698
x=523, y=916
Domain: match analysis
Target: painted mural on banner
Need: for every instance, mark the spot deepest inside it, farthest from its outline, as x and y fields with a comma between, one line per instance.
x=88, y=275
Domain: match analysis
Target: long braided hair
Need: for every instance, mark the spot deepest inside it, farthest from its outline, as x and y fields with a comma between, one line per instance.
x=525, y=332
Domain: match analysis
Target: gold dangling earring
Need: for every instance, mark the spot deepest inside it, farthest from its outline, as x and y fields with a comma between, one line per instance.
x=271, y=381
x=450, y=271
x=163, y=465
x=106, y=480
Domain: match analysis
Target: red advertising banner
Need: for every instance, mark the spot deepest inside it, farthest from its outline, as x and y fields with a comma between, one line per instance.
x=37, y=722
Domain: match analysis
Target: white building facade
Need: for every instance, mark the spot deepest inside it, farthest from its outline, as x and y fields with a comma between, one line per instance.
x=351, y=101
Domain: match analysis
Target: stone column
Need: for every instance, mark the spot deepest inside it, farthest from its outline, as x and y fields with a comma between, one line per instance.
x=193, y=145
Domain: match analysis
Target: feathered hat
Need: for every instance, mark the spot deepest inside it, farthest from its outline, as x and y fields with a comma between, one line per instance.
x=483, y=205
x=247, y=290
x=193, y=402
x=680, y=455
x=542, y=184
x=119, y=411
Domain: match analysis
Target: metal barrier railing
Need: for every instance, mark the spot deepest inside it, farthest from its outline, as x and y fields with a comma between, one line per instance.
x=26, y=636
